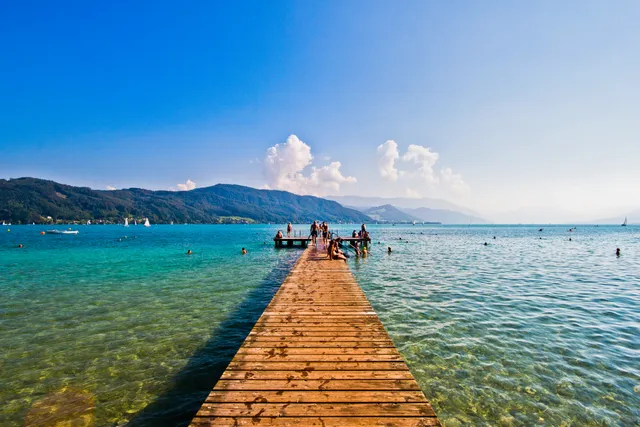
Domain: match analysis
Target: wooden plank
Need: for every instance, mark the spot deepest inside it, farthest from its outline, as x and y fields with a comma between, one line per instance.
x=242, y=357
x=328, y=384
x=326, y=396
x=318, y=356
x=270, y=352
x=317, y=366
x=317, y=375
x=316, y=409
x=314, y=422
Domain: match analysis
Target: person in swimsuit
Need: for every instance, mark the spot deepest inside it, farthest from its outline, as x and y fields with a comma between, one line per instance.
x=314, y=232
x=289, y=229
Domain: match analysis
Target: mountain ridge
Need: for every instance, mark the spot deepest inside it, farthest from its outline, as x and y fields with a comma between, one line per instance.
x=27, y=200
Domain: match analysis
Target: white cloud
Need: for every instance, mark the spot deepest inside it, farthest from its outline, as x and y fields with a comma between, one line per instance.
x=110, y=188
x=454, y=181
x=424, y=159
x=187, y=186
x=417, y=173
x=284, y=169
x=388, y=155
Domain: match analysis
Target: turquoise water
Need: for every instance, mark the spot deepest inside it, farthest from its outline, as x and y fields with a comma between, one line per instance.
x=523, y=331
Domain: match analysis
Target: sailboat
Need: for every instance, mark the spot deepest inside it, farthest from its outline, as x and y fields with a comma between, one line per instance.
x=135, y=222
x=146, y=222
x=126, y=222
x=89, y=222
x=624, y=224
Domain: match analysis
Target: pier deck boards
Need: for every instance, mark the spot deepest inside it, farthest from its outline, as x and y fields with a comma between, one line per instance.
x=318, y=356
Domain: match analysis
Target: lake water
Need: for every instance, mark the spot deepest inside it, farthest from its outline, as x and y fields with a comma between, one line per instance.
x=523, y=331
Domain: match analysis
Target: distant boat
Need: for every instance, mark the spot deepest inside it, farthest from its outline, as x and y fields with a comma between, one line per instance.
x=62, y=231
x=171, y=222
x=126, y=222
x=135, y=222
x=4, y=223
x=89, y=222
x=624, y=224
x=146, y=222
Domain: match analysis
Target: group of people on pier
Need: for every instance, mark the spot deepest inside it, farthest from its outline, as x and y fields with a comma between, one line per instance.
x=320, y=230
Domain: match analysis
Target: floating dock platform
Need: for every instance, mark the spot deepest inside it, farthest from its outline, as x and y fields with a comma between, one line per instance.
x=317, y=357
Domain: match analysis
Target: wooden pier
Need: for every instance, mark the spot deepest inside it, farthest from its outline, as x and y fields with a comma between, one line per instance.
x=317, y=357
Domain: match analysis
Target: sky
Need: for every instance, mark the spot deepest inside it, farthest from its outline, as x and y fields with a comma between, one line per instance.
x=503, y=107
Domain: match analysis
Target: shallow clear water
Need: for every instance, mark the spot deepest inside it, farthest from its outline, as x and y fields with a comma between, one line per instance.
x=524, y=331
x=520, y=332
x=130, y=324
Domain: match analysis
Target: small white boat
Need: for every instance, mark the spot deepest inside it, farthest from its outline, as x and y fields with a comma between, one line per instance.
x=624, y=224
x=171, y=222
x=88, y=222
x=135, y=222
x=146, y=222
x=126, y=222
x=62, y=231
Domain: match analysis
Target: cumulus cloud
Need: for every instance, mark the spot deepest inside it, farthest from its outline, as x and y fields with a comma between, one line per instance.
x=416, y=170
x=424, y=159
x=284, y=168
x=187, y=186
x=388, y=153
x=110, y=188
x=454, y=181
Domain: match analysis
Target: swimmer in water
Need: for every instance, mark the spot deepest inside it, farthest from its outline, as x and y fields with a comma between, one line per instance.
x=617, y=251
x=189, y=252
x=486, y=244
x=389, y=249
x=244, y=251
x=20, y=245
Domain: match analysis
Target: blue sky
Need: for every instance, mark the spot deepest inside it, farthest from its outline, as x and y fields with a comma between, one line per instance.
x=518, y=103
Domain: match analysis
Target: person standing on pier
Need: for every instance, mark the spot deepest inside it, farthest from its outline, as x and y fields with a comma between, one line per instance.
x=325, y=233
x=314, y=232
x=289, y=229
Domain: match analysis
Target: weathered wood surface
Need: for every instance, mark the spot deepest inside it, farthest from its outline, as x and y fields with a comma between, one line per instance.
x=318, y=356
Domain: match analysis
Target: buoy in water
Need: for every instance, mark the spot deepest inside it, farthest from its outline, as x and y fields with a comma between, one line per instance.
x=42, y=232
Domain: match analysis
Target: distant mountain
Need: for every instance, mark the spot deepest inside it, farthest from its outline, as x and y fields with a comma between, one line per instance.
x=444, y=216
x=401, y=203
x=27, y=200
x=389, y=213
x=424, y=209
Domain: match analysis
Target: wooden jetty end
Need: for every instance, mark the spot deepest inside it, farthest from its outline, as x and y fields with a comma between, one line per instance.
x=317, y=357
x=290, y=241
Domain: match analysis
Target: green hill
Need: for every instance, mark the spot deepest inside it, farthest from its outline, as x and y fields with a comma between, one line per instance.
x=27, y=200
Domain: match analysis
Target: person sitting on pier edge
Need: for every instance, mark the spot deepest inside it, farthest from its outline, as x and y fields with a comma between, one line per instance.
x=335, y=252
x=289, y=229
x=354, y=234
x=279, y=234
